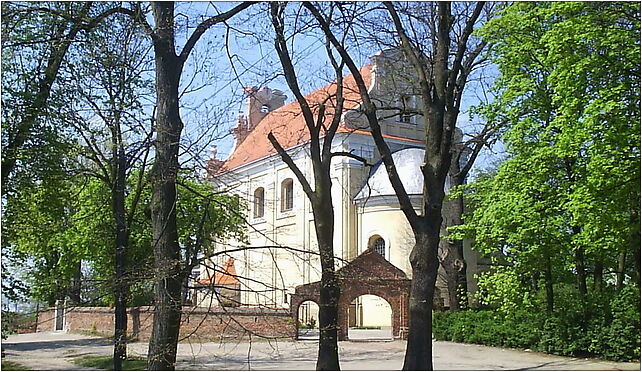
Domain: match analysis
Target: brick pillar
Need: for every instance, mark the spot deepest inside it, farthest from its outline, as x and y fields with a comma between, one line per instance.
x=342, y=332
x=395, y=304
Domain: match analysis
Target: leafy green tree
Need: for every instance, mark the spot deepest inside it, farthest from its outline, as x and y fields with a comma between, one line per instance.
x=36, y=38
x=566, y=201
x=35, y=228
x=104, y=91
x=53, y=226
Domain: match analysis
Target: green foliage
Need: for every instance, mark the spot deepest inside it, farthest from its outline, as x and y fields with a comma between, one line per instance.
x=17, y=323
x=58, y=224
x=8, y=365
x=567, y=196
x=107, y=363
x=204, y=214
x=485, y=327
x=620, y=339
x=35, y=227
x=501, y=289
x=609, y=330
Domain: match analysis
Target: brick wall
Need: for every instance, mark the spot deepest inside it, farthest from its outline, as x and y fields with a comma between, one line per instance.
x=198, y=324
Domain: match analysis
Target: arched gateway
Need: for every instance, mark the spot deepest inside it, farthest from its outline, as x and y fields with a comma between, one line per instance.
x=369, y=273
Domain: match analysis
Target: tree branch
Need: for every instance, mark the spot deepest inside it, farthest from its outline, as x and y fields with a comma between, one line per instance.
x=370, y=112
x=205, y=25
x=462, y=46
x=352, y=156
x=287, y=159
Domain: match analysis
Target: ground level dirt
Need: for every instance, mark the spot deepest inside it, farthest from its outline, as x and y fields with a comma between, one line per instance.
x=55, y=350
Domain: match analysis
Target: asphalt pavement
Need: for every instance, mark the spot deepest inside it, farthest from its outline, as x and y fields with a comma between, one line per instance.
x=56, y=350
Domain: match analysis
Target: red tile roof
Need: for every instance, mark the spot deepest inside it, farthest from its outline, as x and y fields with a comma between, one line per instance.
x=227, y=275
x=288, y=125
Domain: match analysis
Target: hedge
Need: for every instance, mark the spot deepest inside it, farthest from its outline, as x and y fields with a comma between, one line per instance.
x=606, y=329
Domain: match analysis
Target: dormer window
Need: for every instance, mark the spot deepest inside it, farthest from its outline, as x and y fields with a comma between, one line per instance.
x=265, y=109
x=405, y=113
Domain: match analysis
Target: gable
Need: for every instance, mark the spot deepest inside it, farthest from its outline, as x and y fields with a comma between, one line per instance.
x=370, y=265
x=227, y=276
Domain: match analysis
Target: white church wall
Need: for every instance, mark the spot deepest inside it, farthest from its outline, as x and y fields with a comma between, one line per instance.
x=376, y=312
x=391, y=224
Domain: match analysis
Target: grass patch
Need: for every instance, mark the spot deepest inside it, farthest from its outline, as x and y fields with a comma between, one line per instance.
x=106, y=363
x=13, y=366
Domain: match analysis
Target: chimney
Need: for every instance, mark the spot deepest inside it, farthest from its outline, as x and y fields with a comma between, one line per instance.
x=258, y=104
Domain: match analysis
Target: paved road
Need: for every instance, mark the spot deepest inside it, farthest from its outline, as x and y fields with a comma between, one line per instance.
x=54, y=351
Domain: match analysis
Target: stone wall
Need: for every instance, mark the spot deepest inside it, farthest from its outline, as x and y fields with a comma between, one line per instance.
x=198, y=324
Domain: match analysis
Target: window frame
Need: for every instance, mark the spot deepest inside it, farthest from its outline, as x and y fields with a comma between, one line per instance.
x=379, y=246
x=287, y=196
x=376, y=239
x=258, y=206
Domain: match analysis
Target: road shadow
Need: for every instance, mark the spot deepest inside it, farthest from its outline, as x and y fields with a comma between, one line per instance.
x=55, y=344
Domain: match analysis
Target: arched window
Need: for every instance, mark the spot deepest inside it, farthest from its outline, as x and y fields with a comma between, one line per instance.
x=265, y=109
x=287, y=195
x=259, y=202
x=378, y=244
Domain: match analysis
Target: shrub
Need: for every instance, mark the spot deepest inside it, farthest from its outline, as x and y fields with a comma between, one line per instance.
x=13, y=322
x=620, y=340
x=605, y=326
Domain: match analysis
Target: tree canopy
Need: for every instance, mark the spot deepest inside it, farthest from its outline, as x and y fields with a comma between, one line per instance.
x=567, y=197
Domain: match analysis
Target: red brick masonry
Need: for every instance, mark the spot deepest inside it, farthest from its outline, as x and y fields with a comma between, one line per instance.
x=197, y=323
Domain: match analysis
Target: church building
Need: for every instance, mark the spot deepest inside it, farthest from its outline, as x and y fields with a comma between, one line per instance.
x=281, y=244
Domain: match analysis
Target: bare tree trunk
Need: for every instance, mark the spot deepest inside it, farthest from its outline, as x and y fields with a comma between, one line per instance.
x=440, y=91
x=424, y=262
x=74, y=289
x=169, y=271
x=167, y=291
x=328, y=354
x=621, y=266
x=598, y=275
x=581, y=270
x=635, y=239
x=321, y=197
x=453, y=263
x=122, y=242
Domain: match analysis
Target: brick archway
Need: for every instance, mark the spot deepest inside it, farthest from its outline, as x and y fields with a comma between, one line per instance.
x=369, y=273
